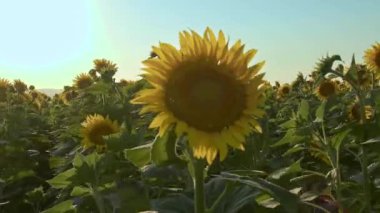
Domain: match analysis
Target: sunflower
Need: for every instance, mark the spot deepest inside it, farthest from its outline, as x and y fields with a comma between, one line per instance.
x=34, y=94
x=95, y=127
x=364, y=76
x=284, y=90
x=4, y=85
x=67, y=96
x=83, y=81
x=124, y=82
x=354, y=112
x=104, y=64
x=326, y=89
x=372, y=58
x=206, y=90
x=20, y=86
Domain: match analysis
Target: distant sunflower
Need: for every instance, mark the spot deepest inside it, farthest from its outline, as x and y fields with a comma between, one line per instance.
x=284, y=90
x=67, y=96
x=34, y=94
x=326, y=89
x=372, y=58
x=206, y=89
x=20, y=86
x=95, y=127
x=124, y=82
x=355, y=114
x=83, y=81
x=104, y=64
x=4, y=85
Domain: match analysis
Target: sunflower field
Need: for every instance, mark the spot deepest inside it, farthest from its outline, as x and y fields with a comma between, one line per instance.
x=202, y=131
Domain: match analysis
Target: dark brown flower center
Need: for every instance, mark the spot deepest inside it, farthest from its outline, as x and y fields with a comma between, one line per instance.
x=98, y=131
x=326, y=89
x=285, y=90
x=205, y=96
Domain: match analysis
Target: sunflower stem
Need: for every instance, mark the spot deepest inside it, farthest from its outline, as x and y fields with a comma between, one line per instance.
x=199, y=194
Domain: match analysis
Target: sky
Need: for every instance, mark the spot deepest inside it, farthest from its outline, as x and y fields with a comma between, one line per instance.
x=47, y=43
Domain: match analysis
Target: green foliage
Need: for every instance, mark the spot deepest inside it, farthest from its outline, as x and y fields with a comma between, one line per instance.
x=310, y=155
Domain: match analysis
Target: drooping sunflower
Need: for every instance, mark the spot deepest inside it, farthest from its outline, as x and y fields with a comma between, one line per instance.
x=326, y=89
x=284, y=90
x=83, y=81
x=20, y=86
x=95, y=127
x=207, y=90
x=372, y=58
x=355, y=114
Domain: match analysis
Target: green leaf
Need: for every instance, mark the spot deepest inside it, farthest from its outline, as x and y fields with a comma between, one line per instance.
x=372, y=141
x=320, y=113
x=173, y=203
x=290, y=137
x=78, y=160
x=99, y=88
x=62, y=180
x=303, y=110
x=294, y=149
x=80, y=191
x=337, y=139
x=288, y=200
x=294, y=168
x=375, y=95
x=231, y=197
x=85, y=168
x=352, y=72
x=63, y=207
x=140, y=155
x=163, y=149
x=131, y=198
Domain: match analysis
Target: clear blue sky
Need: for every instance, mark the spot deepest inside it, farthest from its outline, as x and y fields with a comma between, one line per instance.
x=47, y=43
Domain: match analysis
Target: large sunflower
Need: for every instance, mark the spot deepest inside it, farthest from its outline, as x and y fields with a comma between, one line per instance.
x=206, y=89
x=95, y=127
x=372, y=58
x=326, y=89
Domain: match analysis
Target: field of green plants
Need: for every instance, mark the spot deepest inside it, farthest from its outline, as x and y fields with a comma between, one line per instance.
x=202, y=131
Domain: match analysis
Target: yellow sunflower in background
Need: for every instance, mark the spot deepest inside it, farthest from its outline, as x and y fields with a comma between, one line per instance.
x=94, y=128
x=83, y=81
x=355, y=114
x=372, y=58
x=284, y=90
x=207, y=89
x=326, y=89
x=104, y=64
x=20, y=86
